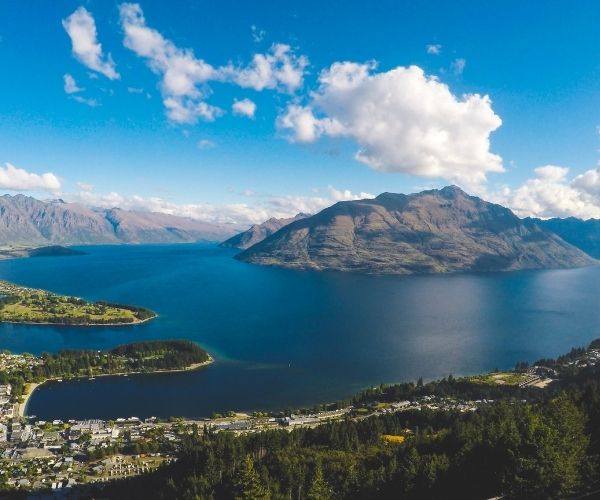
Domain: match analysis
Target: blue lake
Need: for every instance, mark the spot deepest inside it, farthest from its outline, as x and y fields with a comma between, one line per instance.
x=286, y=339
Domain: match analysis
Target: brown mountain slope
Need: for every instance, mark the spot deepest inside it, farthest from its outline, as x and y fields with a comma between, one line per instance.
x=27, y=221
x=259, y=232
x=434, y=231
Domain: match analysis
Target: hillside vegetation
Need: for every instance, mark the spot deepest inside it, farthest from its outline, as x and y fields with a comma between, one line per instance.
x=19, y=304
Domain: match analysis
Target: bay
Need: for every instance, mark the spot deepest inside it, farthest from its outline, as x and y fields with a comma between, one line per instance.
x=288, y=339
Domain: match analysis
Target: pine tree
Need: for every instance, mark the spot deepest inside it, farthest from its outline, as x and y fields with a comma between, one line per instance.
x=248, y=485
x=319, y=489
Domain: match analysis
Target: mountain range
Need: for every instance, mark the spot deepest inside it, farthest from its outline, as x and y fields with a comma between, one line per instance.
x=433, y=231
x=259, y=232
x=429, y=232
x=26, y=221
x=584, y=234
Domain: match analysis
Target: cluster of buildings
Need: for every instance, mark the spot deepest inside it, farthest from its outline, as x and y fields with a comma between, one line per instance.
x=428, y=403
x=57, y=455
x=590, y=358
x=252, y=424
x=11, y=363
x=8, y=409
x=540, y=376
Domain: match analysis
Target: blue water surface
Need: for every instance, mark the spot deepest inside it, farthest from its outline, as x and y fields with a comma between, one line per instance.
x=288, y=339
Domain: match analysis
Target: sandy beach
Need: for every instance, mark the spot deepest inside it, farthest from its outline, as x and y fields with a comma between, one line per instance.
x=32, y=386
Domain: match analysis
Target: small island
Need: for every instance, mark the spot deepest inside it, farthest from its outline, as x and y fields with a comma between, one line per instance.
x=19, y=304
x=25, y=251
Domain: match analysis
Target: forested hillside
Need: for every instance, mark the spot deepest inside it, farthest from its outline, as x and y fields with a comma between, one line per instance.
x=545, y=448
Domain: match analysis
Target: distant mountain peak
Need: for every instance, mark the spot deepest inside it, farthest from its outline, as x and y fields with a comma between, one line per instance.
x=259, y=232
x=452, y=188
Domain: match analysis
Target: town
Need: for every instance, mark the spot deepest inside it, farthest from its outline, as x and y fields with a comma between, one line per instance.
x=54, y=455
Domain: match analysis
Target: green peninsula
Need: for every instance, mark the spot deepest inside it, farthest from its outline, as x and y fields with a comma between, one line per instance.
x=20, y=370
x=19, y=304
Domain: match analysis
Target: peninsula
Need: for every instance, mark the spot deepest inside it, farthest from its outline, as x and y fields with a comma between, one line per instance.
x=25, y=372
x=24, y=251
x=19, y=304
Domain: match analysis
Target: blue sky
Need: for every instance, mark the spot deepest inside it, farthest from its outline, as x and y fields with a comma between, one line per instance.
x=539, y=63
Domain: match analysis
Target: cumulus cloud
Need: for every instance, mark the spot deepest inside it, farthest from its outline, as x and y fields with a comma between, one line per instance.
x=244, y=214
x=18, y=179
x=402, y=121
x=288, y=206
x=181, y=71
x=184, y=77
x=71, y=85
x=278, y=69
x=81, y=28
x=244, y=107
x=434, y=49
x=552, y=194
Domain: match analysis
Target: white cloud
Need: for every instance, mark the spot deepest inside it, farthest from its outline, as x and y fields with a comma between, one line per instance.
x=188, y=110
x=92, y=103
x=552, y=194
x=278, y=69
x=434, y=49
x=206, y=144
x=81, y=28
x=402, y=121
x=245, y=107
x=71, y=85
x=184, y=77
x=180, y=70
x=458, y=66
x=288, y=206
x=238, y=213
x=135, y=90
x=18, y=179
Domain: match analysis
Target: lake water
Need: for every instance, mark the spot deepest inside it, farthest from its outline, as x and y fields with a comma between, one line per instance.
x=287, y=339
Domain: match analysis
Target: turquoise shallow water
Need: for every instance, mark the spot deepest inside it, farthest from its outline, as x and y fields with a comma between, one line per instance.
x=286, y=338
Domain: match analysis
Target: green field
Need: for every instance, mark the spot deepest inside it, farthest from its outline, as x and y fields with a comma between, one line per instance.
x=499, y=378
x=20, y=304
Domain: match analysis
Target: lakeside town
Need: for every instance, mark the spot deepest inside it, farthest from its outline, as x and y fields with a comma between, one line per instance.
x=54, y=456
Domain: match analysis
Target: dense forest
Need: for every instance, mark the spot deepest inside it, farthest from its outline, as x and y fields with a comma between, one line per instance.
x=545, y=448
x=135, y=357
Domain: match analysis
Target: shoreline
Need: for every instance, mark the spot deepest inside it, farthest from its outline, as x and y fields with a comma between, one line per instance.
x=49, y=323
x=32, y=386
